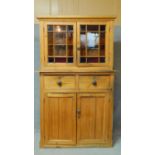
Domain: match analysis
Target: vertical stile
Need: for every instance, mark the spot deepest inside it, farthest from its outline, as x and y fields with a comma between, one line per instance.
x=53, y=46
x=86, y=42
x=99, y=53
x=66, y=43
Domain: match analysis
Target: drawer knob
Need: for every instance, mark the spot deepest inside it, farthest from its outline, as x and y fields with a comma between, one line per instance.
x=59, y=82
x=94, y=82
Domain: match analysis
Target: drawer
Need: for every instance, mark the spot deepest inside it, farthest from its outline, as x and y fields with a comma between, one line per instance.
x=59, y=82
x=95, y=82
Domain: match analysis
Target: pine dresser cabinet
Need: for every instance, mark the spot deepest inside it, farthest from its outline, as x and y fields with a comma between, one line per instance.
x=76, y=81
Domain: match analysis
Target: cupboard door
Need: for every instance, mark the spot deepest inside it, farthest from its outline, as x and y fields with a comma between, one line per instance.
x=93, y=44
x=60, y=119
x=60, y=46
x=94, y=114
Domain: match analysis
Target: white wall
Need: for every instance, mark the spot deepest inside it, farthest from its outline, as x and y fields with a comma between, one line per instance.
x=78, y=8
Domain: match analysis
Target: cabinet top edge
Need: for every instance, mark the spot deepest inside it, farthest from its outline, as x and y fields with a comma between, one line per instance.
x=76, y=71
x=76, y=17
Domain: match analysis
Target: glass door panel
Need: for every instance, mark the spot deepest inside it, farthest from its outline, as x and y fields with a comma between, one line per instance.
x=60, y=39
x=92, y=44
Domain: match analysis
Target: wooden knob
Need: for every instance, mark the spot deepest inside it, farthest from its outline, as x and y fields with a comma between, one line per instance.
x=59, y=82
x=94, y=82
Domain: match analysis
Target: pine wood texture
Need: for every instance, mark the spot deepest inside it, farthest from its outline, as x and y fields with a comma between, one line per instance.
x=93, y=122
x=52, y=82
x=60, y=120
x=100, y=82
x=76, y=100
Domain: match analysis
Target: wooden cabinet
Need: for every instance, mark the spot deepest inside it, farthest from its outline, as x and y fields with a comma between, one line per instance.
x=76, y=81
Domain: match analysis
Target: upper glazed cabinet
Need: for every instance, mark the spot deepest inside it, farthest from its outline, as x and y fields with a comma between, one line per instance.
x=77, y=43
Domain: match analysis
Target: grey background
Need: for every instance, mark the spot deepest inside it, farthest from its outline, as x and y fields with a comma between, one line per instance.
x=117, y=67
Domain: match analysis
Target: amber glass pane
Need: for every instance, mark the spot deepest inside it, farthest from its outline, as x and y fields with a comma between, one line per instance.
x=70, y=50
x=60, y=60
x=83, y=44
x=50, y=60
x=92, y=60
x=102, y=50
x=50, y=37
x=83, y=28
x=70, y=60
x=92, y=28
x=69, y=38
x=83, y=39
x=82, y=60
x=59, y=38
x=60, y=50
x=83, y=51
x=102, y=60
x=102, y=38
x=59, y=28
x=102, y=27
x=92, y=52
x=50, y=28
x=50, y=50
x=69, y=28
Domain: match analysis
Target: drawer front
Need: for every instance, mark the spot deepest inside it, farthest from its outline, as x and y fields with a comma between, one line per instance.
x=59, y=82
x=95, y=82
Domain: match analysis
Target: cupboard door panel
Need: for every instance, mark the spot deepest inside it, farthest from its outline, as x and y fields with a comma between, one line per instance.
x=94, y=123
x=60, y=119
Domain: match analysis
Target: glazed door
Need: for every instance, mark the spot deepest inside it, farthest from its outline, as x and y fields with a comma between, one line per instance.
x=59, y=119
x=93, y=44
x=94, y=118
x=60, y=43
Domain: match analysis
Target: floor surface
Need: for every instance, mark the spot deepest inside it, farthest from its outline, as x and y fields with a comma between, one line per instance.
x=115, y=150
